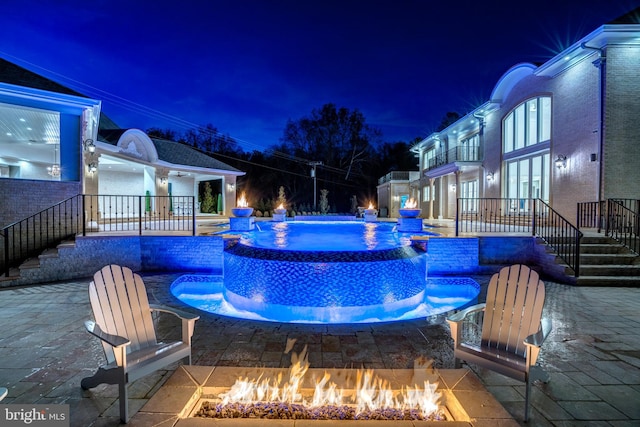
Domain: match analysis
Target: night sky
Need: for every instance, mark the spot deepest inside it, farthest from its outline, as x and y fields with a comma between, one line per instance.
x=248, y=66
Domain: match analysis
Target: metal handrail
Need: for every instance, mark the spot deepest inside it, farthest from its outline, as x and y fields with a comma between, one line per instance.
x=558, y=233
x=623, y=224
x=84, y=213
x=29, y=237
x=530, y=216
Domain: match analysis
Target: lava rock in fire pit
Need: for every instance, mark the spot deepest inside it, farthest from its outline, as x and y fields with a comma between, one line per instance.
x=288, y=411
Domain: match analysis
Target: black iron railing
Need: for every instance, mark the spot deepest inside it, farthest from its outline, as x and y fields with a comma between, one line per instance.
x=45, y=229
x=494, y=215
x=528, y=216
x=112, y=213
x=84, y=214
x=623, y=224
x=591, y=215
x=558, y=233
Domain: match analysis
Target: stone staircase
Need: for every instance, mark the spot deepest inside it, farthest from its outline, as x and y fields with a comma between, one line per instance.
x=30, y=268
x=605, y=262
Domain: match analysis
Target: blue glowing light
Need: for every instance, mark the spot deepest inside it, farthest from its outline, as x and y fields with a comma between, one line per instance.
x=325, y=272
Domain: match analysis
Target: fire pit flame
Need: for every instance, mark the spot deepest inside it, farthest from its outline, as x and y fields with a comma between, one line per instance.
x=372, y=394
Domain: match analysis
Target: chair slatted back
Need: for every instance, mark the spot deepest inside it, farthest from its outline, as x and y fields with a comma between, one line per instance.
x=121, y=307
x=515, y=299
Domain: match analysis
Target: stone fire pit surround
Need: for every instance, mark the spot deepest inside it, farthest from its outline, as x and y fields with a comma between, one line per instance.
x=463, y=395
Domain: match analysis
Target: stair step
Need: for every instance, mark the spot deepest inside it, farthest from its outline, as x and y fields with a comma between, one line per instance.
x=608, y=281
x=30, y=263
x=610, y=270
x=597, y=248
x=610, y=259
x=67, y=244
x=49, y=253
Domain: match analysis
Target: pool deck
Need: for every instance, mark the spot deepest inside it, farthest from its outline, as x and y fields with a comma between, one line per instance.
x=592, y=355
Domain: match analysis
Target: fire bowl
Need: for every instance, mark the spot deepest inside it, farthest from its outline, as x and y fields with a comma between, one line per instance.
x=410, y=212
x=241, y=212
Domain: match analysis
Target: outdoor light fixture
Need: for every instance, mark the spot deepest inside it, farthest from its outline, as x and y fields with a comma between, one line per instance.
x=90, y=146
x=561, y=161
x=452, y=187
x=93, y=167
x=163, y=180
x=490, y=176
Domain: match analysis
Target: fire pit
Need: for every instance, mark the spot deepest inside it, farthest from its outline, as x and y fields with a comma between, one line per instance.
x=463, y=401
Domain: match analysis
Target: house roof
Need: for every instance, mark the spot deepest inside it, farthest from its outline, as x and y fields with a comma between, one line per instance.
x=172, y=152
x=177, y=153
x=16, y=75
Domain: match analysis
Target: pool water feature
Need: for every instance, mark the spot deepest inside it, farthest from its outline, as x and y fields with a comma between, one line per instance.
x=342, y=272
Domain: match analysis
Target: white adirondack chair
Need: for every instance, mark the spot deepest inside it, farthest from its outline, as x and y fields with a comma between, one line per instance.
x=124, y=324
x=512, y=327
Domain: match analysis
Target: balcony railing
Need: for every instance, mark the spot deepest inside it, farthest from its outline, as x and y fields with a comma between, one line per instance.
x=461, y=153
x=400, y=176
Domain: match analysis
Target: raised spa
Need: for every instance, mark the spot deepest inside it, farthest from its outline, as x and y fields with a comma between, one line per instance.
x=329, y=272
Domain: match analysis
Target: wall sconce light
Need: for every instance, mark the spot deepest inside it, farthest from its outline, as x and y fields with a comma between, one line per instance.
x=163, y=180
x=93, y=167
x=561, y=161
x=490, y=176
x=230, y=187
x=90, y=146
x=452, y=187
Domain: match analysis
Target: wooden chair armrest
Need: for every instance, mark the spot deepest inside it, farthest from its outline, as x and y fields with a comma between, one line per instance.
x=538, y=338
x=115, y=341
x=181, y=314
x=461, y=315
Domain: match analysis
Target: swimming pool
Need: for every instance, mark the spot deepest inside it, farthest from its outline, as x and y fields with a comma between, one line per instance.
x=439, y=295
x=327, y=272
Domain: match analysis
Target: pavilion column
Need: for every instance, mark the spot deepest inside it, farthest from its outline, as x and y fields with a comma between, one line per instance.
x=431, y=195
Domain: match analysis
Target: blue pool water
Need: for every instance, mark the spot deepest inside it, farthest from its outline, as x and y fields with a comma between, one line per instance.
x=331, y=236
x=327, y=272
x=440, y=295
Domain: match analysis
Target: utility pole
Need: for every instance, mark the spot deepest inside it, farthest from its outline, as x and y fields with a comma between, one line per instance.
x=313, y=175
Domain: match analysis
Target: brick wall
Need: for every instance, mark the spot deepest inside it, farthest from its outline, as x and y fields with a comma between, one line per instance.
x=22, y=198
x=446, y=255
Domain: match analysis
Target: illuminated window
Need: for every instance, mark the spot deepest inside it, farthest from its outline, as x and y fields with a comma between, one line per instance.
x=426, y=193
x=29, y=143
x=528, y=178
x=527, y=124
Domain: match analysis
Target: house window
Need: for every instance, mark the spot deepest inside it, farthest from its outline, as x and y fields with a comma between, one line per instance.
x=29, y=143
x=527, y=124
x=468, y=149
x=426, y=193
x=469, y=190
x=528, y=178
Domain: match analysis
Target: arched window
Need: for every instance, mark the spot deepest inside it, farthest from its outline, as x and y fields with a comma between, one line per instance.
x=527, y=124
x=527, y=171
